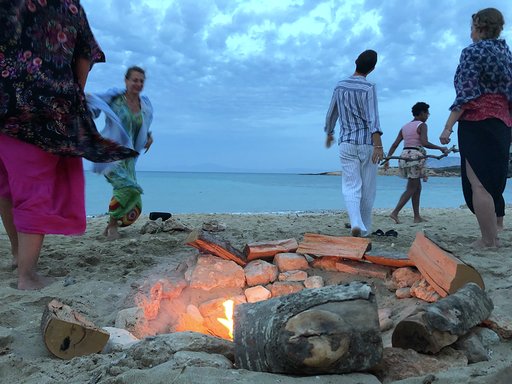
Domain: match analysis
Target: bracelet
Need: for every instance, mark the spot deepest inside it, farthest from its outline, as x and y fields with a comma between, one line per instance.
x=378, y=146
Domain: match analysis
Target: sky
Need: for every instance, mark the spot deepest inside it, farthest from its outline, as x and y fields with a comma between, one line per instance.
x=244, y=85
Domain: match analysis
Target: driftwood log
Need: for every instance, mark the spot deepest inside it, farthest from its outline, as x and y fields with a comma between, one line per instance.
x=440, y=324
x=444, y=272
x=337, y=246
x=334, y=329
x=68, y=334
x=205, y=241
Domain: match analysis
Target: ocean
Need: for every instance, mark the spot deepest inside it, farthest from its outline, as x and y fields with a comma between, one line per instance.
x=196, y=192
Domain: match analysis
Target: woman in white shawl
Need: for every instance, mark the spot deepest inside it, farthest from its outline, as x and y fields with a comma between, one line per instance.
x=128, y=117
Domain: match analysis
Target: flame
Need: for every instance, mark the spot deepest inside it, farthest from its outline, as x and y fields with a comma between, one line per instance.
x=228, y=320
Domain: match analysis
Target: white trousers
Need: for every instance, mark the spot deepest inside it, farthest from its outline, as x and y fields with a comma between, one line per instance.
x=359, y=184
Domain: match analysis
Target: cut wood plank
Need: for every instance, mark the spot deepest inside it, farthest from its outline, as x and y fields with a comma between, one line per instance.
x=361, y=268
x=334, y=329
x=344, y=247
x=68, y=334
x=445, y=272
x=205, y=241
x=268, y=249
x=391, y=260
x=440, y=324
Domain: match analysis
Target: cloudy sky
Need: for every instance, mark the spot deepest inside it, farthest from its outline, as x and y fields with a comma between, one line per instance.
x=244, y=85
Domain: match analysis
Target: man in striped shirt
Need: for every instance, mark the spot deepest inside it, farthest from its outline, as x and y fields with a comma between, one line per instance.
x=354, y=104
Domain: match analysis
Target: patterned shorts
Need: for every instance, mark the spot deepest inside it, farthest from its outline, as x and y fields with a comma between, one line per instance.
x=413, y=168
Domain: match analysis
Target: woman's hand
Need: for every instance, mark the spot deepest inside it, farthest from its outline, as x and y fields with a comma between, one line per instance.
x=149, y=142
x=445, y=136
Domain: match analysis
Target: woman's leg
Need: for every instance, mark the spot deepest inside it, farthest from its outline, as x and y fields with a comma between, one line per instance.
x=415, y=199
x=500, y=224
x=483, y=205
x=7, y=220
x=410, y=190
x=28, y=256
x=111, y=232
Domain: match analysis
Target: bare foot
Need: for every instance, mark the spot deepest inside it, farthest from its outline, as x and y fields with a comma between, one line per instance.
x=34, y=281
x=395, y=218
x=111, y=233
x=419, y=219
x=356, y=232
x=480, y=244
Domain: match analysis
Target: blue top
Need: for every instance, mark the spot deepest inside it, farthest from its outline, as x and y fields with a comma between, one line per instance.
x=485, y=67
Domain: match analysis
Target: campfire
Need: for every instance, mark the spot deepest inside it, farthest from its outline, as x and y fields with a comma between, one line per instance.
x=205, y=293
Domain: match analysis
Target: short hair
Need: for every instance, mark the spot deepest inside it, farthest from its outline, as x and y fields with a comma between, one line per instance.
x=134, y=69
x=419, y=107
x=489, y=22
x=366, y=61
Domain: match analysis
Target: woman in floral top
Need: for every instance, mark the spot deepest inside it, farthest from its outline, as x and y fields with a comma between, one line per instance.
x=46, y=52
x=483, y=85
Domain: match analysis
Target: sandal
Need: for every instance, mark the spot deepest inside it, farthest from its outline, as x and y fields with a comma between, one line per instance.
x=378, y=232
x=392, y=233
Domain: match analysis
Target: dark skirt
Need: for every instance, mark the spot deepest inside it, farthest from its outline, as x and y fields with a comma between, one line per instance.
x=485, y=145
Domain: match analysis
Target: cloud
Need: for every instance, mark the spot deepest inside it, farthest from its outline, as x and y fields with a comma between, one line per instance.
x=232, y=79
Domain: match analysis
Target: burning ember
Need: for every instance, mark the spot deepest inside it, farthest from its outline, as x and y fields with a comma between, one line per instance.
x=228, y=320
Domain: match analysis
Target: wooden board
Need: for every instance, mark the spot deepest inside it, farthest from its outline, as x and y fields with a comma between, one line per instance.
x=391, y=260
x=445, y=272
x=344, y=247
x=205, y=241
x=361, y=268
x=68, y=334
x=268, y=249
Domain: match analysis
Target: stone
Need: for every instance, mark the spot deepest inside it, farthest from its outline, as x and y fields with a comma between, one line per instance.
x=213, y=272
x=281, y=288
x=403, y=293
x=293, y=276
x=398, y=364
x=183, y=359
x=424, y=291
x=260, y=272
x=405, y=277
x=290, y=262
x=314, y=282
x=152, y=226
x=258, y=293
x=119, y=339
x=133, y=320
x=471, y=345
x=159, y=349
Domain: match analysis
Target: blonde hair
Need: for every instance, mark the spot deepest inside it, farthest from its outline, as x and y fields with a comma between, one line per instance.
x=488, y=22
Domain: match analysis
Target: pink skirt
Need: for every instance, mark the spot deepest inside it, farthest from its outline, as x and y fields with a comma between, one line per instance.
x=47, y=191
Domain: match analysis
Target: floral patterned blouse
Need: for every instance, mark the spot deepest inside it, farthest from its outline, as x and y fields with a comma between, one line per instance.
x=41, y=101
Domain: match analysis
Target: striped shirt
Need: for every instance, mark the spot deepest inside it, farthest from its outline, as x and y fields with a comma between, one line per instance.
x=354, y=101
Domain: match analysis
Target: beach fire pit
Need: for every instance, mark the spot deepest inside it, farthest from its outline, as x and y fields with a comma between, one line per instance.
x=261, y=300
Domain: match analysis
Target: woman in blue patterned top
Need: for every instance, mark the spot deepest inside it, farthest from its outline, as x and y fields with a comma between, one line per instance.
x=128, y=117
x=482, y=107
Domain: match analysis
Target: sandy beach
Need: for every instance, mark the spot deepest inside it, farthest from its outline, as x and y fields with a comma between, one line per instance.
x=100, y=278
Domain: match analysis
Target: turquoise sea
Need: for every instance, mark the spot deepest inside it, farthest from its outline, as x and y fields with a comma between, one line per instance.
x=187, y=192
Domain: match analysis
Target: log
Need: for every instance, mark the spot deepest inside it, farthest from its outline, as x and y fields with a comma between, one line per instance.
x=205, y=241
x=268, y=249
x=344, y=247
x=391, y=260
x=362, y=268
x=440, y=324
x=68, y=334
x=334, y=329
x=445, y=272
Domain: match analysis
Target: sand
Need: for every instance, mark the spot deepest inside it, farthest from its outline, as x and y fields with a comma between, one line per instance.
x=99, y=278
